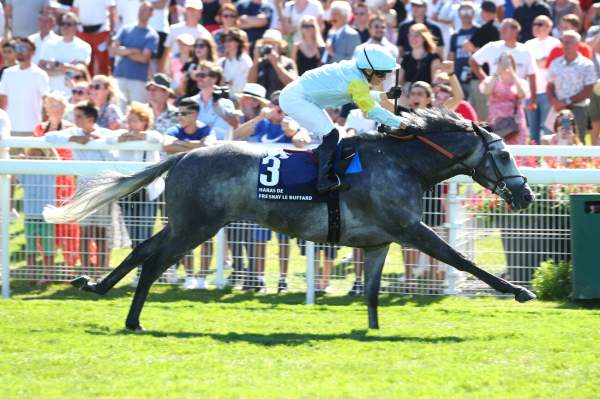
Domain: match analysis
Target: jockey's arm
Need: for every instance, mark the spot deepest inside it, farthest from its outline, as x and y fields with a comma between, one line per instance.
x=366, y=101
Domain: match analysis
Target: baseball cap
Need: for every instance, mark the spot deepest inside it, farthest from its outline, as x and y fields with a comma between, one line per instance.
x=488, y=6
x=197, y=4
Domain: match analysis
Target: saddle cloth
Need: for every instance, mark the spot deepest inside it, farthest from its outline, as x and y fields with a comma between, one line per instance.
x=291, y=175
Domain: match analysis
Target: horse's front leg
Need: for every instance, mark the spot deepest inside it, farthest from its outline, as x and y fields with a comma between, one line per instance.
x=374, y=261
x=421, y=237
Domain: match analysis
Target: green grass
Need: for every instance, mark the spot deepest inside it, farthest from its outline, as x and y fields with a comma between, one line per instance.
x=56, y=342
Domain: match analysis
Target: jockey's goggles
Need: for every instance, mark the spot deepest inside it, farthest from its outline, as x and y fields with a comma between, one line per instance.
x=381, y=74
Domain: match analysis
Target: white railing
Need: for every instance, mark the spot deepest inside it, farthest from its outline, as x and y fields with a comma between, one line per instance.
x=45, y=167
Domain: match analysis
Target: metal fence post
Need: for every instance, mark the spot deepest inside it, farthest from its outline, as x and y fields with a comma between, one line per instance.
x=220, y=278
x=453, y=276
x=310, y=273
x=5, y=228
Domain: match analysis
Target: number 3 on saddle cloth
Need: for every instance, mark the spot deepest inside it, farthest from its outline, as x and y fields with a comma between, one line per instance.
x=291, y=175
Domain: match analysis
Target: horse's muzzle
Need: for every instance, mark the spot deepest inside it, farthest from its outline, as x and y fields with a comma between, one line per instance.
x=524, y=199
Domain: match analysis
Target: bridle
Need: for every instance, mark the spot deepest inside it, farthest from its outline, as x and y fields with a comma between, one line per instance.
x=498, y=180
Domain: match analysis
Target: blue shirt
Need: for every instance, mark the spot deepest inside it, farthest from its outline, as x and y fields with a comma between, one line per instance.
x=248, y=7
x=268, y=132
x=200, y=133
x=38, y=191
x=209, y=116
x=133, y=36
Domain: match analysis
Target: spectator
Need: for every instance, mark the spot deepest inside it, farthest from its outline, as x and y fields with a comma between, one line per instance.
x=564, y=132
x=490, y=53
x=362, y=15
x=59, y=57
x=211, y=113
x=506, y=92
x=22, y=19
x=252, y=99
x=22, y=90
x=448, y=93
x=560, y=8
x=204, y=50
x=79, y=93
x=134, y=45
x=377, y=29
x=308, y=51
x=423, y=60
x=95, y=228
x=271, y=70
x=9, y=55
x=159, y=91
x=540, y=46
x=255, y=18
x=294, y=12
x=526, y=13
x=487, y=33
x=444, y=15
x=228, y=18
x=97, y=20
x=236, y=62
x=46, y=22
x=191, y=26
x=139, y=209
x=570, y=81
x=104, y=93
x=592, y=17
x=187, y=135
x=67, y=235
x=419, y=16
x=342, y=39
x=182, y=65
x=79, y=73
x=569, y=22
x=38, y=191
x=209, y=14
x=458, y=53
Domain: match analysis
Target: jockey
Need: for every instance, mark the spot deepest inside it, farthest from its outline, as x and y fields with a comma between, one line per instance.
x=334, y=85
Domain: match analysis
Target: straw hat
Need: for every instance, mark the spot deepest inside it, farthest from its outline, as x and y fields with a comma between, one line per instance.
x=272, y=36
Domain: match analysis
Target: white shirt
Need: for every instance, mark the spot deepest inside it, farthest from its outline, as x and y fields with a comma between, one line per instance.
x=73, y=52
x=491, y=52
x=94, y=12
x=290, y=10
x=127, y=13
x=160, y=21
x=39, y=43
x=25, y=89
x=235, y=71
x=357, y=121
x=181, y=28
x=540, y=50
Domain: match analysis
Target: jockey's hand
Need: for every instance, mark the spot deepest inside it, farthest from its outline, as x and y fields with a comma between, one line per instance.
x=394, y=92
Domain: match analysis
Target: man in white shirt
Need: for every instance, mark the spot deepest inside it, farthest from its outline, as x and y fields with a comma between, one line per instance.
x=191, y=25
x=22, y=90
x=97, y=25
x=490, y=53
x=46, y=34
x=58, y=57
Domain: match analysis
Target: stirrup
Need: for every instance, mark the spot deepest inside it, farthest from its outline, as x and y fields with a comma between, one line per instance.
x=331, y=187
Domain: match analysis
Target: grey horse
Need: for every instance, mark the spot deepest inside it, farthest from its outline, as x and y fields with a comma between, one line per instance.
x=213, y=186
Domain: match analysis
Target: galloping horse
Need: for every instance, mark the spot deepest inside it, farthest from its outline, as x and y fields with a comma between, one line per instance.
x=213, y=186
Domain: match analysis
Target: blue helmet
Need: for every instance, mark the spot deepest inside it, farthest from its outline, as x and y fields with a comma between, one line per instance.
x=375, y=57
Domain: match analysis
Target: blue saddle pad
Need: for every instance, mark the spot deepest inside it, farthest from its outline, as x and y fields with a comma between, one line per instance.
x=292, y=176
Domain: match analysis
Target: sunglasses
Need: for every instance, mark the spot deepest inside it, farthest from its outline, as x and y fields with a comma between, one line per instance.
x=229, y=16
x=98, y=86
x=380, y=74
x=179, y=114
x=539, y=24
x=22, y=48
x=68, y=24
x=202, y=75
x=307, y=26
x=77, y=92
x=378, y=27
x=78, y=77
x=199, y=45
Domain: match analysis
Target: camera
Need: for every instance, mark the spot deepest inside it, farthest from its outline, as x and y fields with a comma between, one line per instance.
x=565, y=122
x=266, y=50
x=220, y=92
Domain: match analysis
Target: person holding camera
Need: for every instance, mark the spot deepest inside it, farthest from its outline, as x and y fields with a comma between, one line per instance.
x=565, y=130
x=216, y=109
x=236, y=62
x=271, y=69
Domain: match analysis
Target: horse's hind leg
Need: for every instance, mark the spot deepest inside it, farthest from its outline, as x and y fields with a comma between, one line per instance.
x=374, y=261
x=426, y=240
x=135, y=258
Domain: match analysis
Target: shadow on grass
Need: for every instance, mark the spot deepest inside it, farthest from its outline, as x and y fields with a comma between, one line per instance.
x=288, y=339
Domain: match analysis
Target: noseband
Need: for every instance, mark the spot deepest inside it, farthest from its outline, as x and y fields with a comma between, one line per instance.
x=498, y=181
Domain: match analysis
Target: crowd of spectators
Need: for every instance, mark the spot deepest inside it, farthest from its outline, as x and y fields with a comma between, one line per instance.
x=187, y=73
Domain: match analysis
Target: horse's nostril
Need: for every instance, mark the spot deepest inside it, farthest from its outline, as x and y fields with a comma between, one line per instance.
x=528, y=197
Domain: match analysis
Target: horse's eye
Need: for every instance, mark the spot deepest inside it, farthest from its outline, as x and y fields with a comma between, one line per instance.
x=504, y=155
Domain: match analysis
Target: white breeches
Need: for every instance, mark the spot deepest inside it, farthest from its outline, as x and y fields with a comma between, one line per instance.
x=310, y=116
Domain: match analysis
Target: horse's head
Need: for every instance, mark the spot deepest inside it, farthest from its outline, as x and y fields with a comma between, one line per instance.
x=494, y=168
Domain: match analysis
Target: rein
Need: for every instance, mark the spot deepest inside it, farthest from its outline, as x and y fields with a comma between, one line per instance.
x=500, y=187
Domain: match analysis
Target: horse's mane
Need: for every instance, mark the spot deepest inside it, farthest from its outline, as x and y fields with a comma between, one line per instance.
x=429, y=120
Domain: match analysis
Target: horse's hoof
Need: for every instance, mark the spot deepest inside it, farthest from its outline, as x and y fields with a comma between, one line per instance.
x=524, y=295
x=137, y=328
x=80, y=282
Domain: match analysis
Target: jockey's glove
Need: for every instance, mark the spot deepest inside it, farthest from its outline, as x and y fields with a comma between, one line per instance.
x=394, y=92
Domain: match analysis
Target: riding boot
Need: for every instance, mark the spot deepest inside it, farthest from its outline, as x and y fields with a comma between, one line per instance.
x=327, y=179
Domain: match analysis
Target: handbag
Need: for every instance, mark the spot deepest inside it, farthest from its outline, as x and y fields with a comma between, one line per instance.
x=506, y=127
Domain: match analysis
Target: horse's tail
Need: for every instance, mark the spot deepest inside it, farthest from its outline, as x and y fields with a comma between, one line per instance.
x=105, y=189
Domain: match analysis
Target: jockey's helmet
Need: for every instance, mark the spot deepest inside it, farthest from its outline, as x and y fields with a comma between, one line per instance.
x=375, y=57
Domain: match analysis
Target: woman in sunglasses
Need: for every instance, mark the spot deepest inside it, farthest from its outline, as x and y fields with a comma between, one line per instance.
x=308, y=51
x=227, y=18
x=104, y=93
x=202, y=50
x=334, y=85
